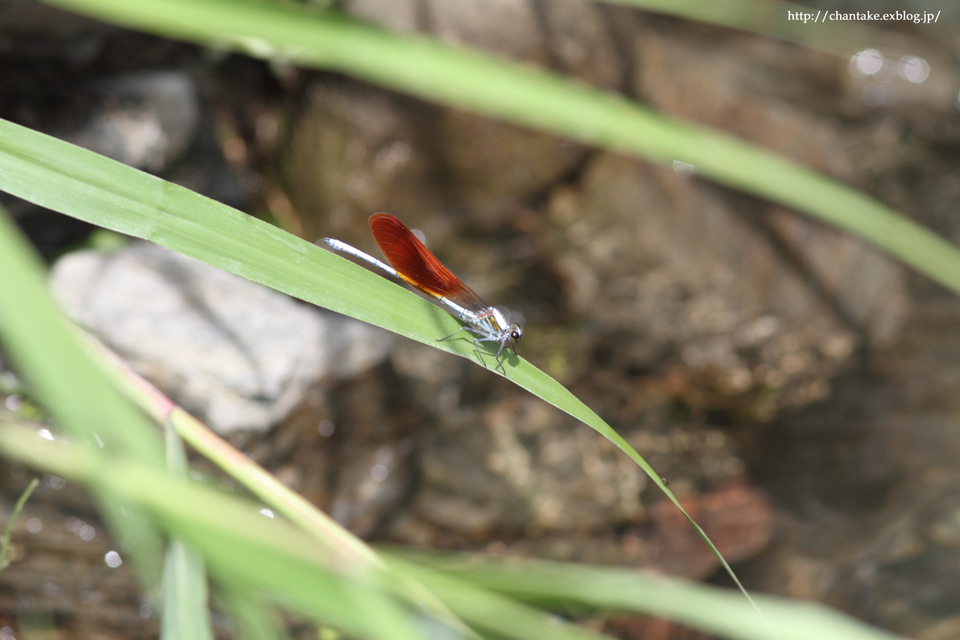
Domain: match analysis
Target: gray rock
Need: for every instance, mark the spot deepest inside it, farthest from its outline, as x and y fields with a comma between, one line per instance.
x=237, y=354
x=144, y=120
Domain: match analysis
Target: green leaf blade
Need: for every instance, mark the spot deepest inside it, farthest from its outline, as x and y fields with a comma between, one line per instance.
x=528, y=96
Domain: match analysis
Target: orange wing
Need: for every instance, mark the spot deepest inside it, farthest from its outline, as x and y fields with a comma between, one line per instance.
x=417, y=266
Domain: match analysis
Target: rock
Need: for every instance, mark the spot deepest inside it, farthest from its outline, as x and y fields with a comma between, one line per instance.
x=508, y=27
x=583, y=43
x=736, y=86
x=144, y=120
x=396, y=15
x=864, y=485
x=681, y=267
x=737, y=517
x=29, y=27
x=237, y=354
x=526, y=470
x=354, y=148
x=866, y=288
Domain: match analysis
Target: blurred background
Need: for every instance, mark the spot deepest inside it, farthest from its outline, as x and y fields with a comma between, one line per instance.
x=795, y=386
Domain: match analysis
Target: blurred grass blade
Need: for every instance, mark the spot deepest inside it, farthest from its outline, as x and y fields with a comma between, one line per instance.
x=528, y=96
x=185, y=608
x=185, y=613
x=242, y=547
x=11, y=520
x=253, y=619
x=88, y=186
x=498, y=616
x=769, y=18
x=711, y=609
x=176, y=455
x=42, y=347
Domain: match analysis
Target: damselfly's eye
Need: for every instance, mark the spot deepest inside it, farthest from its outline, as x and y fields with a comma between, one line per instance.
x=516, y=333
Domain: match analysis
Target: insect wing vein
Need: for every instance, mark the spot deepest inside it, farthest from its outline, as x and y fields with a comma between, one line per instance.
x=416, y=265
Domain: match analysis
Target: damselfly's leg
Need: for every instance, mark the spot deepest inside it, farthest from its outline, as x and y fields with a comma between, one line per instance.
x=499, y=351
x=476, y=345
x=500, y=366
x=476, y=342
x=454, y=333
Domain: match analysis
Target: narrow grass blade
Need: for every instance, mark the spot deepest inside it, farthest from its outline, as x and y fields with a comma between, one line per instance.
x=711, y=609
x=491, y=612
x=185, y=609
x=185, y=613
x=8, y=530
x=531, y=97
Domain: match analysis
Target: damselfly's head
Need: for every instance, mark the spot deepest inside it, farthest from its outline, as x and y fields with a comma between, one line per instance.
x=516, y=332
